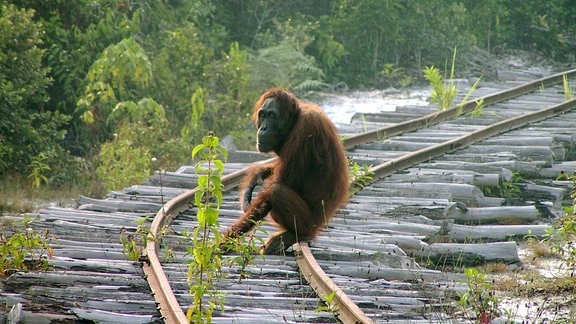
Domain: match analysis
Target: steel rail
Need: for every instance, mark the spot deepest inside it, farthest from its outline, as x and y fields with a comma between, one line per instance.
x=169, y=307
x=454, y=111
x=405, y=161
x=348, y=311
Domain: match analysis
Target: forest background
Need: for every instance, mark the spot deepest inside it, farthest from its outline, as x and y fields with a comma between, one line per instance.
x=96, y=95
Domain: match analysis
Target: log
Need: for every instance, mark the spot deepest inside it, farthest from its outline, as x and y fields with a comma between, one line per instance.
x=350, y=254
x=543, y=193
x=455, y=254
x=173, y=180
x=147, y=193
x=498, y=166
x=468, y=194
x=448, y=175
x=495, y=215
x=100, y=316
x=368, y=270
x=553, y=171
x=439, y=211
x=490, y=233
x=524, y=153
x=112, y=205
x=23, y=280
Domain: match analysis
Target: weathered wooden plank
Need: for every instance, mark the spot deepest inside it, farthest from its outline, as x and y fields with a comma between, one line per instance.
x=23, y=280
x=101, y=316
x=491, y=215
x=448, y=175
x=468, y=254
x=492, y=233
x=112, y=205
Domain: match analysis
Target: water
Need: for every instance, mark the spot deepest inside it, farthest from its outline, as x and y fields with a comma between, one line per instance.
x=342, y=107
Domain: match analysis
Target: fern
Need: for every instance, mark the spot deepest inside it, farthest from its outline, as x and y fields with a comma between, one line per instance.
x=442, y=93
x=293, y=69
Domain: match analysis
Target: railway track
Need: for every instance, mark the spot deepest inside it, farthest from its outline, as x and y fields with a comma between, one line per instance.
x=433, y=172
x=348, y=311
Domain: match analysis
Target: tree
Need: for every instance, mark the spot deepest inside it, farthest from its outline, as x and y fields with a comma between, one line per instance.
x=122, y=73
x=26, y=128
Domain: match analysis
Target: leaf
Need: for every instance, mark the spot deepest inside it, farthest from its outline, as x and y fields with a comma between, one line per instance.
x=88, y=117
x=211, y=216
x=197, y=149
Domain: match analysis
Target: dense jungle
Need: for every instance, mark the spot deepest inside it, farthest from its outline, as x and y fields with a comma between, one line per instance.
x=98, y=94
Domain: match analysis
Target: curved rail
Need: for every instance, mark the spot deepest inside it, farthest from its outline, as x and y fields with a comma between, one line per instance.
x=347, y=310
x=320, y=282
x=163, y=294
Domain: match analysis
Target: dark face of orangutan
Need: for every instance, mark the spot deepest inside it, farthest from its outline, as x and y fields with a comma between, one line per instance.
x=273, y=127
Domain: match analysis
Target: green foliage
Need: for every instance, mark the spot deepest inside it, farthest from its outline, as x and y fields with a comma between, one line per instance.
x=284, y=66
x=38, y=169
x=328, y=305
x=246, y=249
x=206, y=263
x=229, y=94
x=179, y=70
x=122, y=73
x=562, y=237
x=480, y=298
x=330, y=52
x=133, y=243
x=67, y=64
x=479, y=108
x=568, y=94
x=194, y=126
x=543, y=26
x=509, y=188
x=141, y=135
x=24, y=249
x=23, y=80
x=443, y=92
x=360, y=176
x=25, y=129
x=395, y=76
x=120, y=164
x=487, y=20
x=404, y=33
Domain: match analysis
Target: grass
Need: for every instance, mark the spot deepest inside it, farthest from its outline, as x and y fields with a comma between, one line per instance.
x=19, y=196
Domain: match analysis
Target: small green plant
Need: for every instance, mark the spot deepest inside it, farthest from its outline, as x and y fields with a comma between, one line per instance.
x=479, y=108
x=328, y=306
x=206, y=263
x=443, y=93
x=480, y=299
x=360, y=176
x=509, y=189
x=38, y=168
x=133, y=243
x=27, y=249
x=567, y=88
x=562, y=236
x=395, y=75
x=246, y=248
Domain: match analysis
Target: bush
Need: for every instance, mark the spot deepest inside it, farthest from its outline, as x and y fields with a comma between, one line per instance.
x=26, y=130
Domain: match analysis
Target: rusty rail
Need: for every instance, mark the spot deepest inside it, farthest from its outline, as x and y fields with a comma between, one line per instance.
x=347, y=310
x=454, y=111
